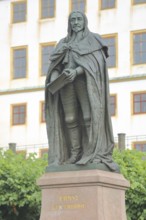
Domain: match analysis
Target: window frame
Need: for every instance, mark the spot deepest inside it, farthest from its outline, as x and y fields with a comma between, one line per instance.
x=138, y=142
x=115, y=104
x=110, y=8
x=42, y=119
x=12, y=114
x=43, y=151
x=12, y=62
x=133, y=103
x=115, y=35
x=40, y=11
x=21, y=152
x=12, y=11
x=53, y=43
x=132, y=47
x=135, y=4
x=70, y=6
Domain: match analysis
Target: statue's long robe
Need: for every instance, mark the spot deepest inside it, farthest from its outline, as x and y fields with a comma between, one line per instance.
x=90, y=53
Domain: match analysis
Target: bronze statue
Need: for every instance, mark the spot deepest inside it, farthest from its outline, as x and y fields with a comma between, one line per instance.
x=77, y=99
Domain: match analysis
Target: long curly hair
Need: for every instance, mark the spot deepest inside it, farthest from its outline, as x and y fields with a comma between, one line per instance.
x=85, y=29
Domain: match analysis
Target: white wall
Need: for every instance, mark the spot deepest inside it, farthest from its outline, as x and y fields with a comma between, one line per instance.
x=33, y=132
x=125, y=121
x=121, y=20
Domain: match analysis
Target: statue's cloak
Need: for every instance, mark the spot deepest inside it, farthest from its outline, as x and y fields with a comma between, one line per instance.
x=90, y=53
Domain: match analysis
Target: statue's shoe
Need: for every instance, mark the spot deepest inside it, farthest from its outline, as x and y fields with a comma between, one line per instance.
x=73, y=159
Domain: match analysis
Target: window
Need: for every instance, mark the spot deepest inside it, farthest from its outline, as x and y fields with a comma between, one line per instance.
x=140, y=146
x=43, y=151
x=42, y=112
x=110, y=41
x=47, y=9
x=19, y=11
x=23, y=152
x=46, y=51
x=19, y=62
x=113, y=106
x=107, y=4
x=139, y=1
x=18, y=114
x=78, y=5
x=139, y=103
x=139, y=48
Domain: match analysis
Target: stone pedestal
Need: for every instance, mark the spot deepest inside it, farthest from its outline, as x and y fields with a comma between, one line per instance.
x=83, y=195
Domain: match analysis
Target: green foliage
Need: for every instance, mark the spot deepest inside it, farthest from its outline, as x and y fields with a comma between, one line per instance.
x=19, y=194
x=133, y=166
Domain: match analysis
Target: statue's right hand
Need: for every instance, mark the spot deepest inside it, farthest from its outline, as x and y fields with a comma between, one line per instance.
x=66, y=72
x=70, y=74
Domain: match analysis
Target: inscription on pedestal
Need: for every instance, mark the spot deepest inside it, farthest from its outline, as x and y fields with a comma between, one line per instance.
x=66, y=202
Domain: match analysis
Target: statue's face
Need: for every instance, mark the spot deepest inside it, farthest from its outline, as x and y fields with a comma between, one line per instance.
x=77, y=22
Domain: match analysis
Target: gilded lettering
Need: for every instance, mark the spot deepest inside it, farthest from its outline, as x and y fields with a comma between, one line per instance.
x=65, y=198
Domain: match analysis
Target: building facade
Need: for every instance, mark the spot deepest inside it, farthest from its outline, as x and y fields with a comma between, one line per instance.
x=29, y=31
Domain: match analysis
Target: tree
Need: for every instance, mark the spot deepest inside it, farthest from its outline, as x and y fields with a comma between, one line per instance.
x=19, y=195
x=133, y=166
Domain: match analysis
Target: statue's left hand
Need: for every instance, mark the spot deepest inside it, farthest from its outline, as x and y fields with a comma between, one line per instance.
x=70, y=74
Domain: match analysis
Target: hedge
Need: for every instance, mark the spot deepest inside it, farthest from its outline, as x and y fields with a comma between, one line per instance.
x=20, y=197
x=133, y=166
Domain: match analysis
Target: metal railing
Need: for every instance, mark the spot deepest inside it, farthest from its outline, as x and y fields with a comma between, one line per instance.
x=121, y=141
x=38, y=149
x=130, y=140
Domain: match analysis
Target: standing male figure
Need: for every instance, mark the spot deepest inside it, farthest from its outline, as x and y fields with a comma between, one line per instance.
x=77, y=116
